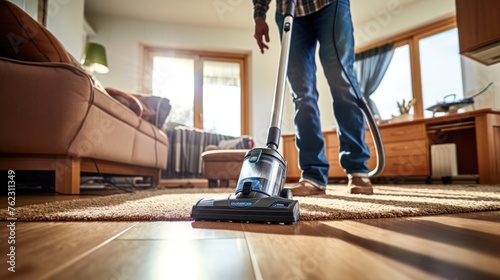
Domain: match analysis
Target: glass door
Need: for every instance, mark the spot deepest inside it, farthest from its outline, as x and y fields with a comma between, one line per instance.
x=206, y=91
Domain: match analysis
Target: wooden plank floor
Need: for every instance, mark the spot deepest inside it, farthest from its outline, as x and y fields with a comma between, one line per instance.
x=465, y=246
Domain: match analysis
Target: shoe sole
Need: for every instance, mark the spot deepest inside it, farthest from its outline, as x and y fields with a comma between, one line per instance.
x=309, y=194
x=361, y=190
x=306, y=191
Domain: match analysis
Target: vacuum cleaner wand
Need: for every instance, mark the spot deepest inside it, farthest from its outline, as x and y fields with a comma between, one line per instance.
x=274, y=132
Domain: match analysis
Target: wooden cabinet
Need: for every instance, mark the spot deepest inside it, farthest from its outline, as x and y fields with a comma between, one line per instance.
x=405, y=148
x=332, y=154
x=476, y=135
x=478, y=24
x=291, y=156
x=405, y=151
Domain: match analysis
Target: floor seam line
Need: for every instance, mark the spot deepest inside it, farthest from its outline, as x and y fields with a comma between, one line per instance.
x=255, y=265
x=83, y=255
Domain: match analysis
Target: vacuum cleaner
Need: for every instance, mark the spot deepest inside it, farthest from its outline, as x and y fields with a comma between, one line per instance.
x=260, y=195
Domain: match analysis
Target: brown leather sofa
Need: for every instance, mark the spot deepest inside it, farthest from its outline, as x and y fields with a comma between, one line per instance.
x=54, y=116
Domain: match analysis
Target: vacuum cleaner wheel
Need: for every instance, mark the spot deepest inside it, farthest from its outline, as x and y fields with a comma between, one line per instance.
x=286, y=193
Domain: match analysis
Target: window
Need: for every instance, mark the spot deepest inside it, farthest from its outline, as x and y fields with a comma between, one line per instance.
x=396, y=84
x=206, y=90
x=426, y=65
x=173, y=78
x=441, y=68
x=221, y=96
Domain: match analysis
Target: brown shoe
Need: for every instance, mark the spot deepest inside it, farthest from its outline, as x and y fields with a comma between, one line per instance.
x=360, y=185
x=305, y=188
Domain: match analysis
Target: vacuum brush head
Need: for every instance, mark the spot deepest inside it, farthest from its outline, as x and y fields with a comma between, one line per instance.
x=265, y=209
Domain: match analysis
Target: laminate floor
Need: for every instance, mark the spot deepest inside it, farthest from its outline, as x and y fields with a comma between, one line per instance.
x=464, y=246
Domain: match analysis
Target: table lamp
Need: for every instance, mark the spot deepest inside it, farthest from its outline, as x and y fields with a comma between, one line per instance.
x=94, y=59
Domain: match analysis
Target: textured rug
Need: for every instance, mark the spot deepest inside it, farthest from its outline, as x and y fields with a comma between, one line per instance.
x=175, y=204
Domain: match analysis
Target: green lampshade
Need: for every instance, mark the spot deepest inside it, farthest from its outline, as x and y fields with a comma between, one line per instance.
x=94, y=58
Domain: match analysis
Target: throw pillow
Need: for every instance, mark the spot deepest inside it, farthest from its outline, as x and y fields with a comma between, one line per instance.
x=23, y=38
x=128, y=100
x=158, y=109
x=242, y=142
x=154, y=109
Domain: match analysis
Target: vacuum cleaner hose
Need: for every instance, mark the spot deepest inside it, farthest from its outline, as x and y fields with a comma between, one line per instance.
x=377, y=139
x=372, y=124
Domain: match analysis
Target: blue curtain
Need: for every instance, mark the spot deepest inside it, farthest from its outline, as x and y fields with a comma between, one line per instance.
x=370, y=67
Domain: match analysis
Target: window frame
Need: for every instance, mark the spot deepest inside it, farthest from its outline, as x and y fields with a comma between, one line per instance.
x=412, y=38
x=199, y=56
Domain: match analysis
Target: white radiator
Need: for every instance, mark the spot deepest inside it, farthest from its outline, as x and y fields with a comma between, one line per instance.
x=444, y=160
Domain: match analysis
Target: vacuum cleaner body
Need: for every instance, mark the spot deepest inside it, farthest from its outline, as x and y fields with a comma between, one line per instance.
x=259, y=194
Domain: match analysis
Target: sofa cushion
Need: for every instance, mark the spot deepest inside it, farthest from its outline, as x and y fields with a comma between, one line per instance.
x=153, y=109
x=128, y=100
x=23, y=38
x=156, y=109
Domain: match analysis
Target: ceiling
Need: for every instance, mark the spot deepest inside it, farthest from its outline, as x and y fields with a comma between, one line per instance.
x=207, y=13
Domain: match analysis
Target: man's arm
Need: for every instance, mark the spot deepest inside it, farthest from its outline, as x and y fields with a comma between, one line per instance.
x=260, y=8
x=261, y=32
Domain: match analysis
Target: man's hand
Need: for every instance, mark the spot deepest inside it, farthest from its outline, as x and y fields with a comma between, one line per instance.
x=261, y=34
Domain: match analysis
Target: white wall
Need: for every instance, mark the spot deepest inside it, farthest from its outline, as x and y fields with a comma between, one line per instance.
x=476, y=76
x=65, y=21
x=399, y=16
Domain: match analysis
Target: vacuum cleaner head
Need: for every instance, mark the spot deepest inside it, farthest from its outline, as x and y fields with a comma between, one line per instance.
x=234, y=209
x=259, y=194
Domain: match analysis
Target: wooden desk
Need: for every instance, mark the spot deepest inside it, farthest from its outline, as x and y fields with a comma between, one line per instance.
x=407, y=145
x=477, y=135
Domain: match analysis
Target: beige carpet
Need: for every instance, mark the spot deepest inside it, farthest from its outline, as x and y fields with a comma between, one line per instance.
x=175, y=204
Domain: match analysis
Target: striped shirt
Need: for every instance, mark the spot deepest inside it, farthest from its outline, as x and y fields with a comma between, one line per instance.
x=302, y=8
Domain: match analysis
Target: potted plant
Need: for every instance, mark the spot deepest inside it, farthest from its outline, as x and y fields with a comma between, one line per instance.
x=404, y=111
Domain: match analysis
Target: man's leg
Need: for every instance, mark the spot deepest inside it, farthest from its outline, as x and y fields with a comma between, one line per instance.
x=302, y=79
x=337, y=57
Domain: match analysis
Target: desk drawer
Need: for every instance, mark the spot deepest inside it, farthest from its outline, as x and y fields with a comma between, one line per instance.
x=331, y=140
x=406, y=166
x=413, y=147
x=402, y=166
x=406, y=132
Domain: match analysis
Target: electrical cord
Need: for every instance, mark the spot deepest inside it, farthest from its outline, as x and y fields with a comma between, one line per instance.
x=90, y=103
x=372, y=124
x=154, y=183
x=105, y=180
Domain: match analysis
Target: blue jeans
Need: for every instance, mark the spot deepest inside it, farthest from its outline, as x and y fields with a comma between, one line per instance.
x=337, y=58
